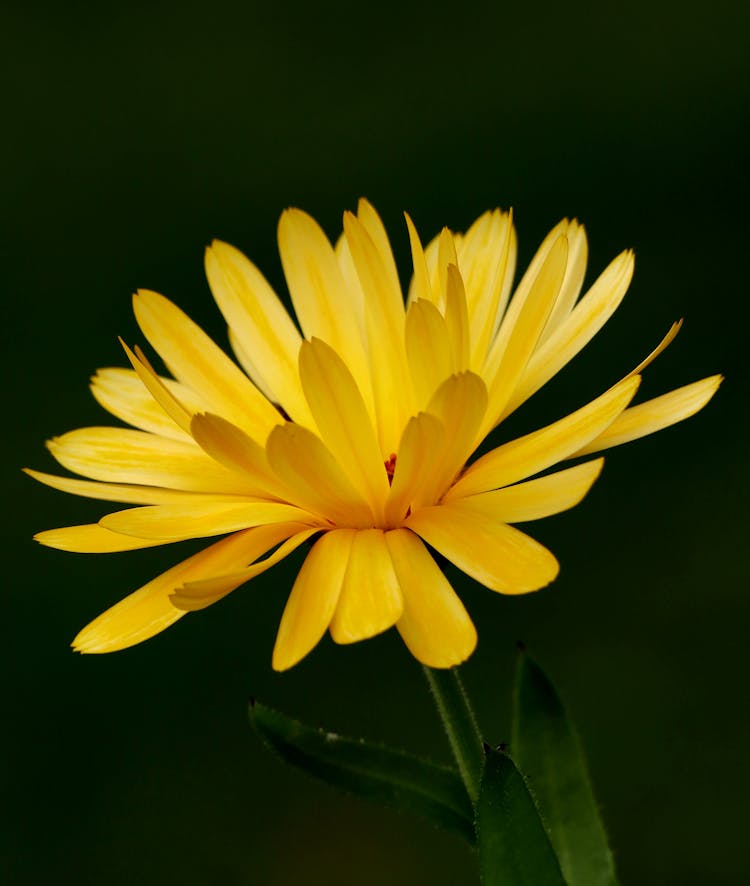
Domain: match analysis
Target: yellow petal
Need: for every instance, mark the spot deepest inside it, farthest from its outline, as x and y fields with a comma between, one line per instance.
x=486, y=256
x=314, y=597
x=457, y=318
x=446, y=256
x=421, y=287
x=576, y=330
x=460, y=404
x=351, y=281
x=418, y=454
x=654, y=415
x=534, y=499
x=431, y=252
x=231, y=447
x=169, y=404
x=149, y=610
x=313, y=476
x=370, y=600
x=179, y=522
x=195, y=595
x=384, y=324
x=539, y=450
x=137, y=495
x=428, y=349
x=194, y=359
x=91, y=539
x=122, y=393
x=499, y=556
x=260, y=323
x=372, y=223
x=120, y=455
x=325, y=308
x=659, y=349
x=519, y=333
x=434, y=624
x=575, y=271
x=540, y=258
x=252, y=368
x=345, y=426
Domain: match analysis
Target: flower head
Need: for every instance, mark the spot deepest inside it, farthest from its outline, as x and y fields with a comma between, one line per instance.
x=356, y=434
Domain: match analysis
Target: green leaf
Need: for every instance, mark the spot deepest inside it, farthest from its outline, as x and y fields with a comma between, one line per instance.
x=549, y=754
x=514, y=849
x=377, y=773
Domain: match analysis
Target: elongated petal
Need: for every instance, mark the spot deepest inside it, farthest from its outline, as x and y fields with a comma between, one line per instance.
x=178, y=522
x=343, y=420
x=123, y=394
x=500, y=557
x=384, y=325
x=428, y=349
x=421, y=287
x=446, y=256
x=539, y=450
x=194, y=359
x=314, y=597
x=576, y=330
x=91, y=539
x=195, y=595
x=260, y=322
x=457, y=319
x=431, y=253
x=460, y=404
x=252, y=368
x=137, y=495
x=434, y=624
x=231, y=447
x=655, y=415
x=351, y=281
x=325, y=308
x=418, y=455
x=575, y=271
x=659, y=349
x=371, y=222
x=149, y=610
x=486, y=256
x=315, y=282
x=370, y=600
x=532, y=271
x=520, y=331
x=120, y=455
x=534, y=499
x=161, y=394
x=313, y=476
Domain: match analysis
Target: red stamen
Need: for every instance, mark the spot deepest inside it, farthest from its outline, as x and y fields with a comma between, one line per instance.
x=390, y=466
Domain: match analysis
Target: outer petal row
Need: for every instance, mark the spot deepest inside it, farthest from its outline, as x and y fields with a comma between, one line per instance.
x=194, y=359
x=360, y=583
x=149, y=610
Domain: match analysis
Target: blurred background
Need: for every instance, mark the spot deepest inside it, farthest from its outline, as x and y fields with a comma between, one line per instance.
x=133, y=135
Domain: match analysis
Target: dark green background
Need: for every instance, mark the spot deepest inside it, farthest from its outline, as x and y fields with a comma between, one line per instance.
x=135, y=134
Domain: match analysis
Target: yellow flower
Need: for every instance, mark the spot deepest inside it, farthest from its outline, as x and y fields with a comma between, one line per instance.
x=358, y=433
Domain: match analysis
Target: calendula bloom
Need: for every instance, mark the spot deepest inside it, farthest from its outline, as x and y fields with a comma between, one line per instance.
x=357, y=432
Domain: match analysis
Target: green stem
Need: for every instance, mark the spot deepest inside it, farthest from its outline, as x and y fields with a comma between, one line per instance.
x=460, y=725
